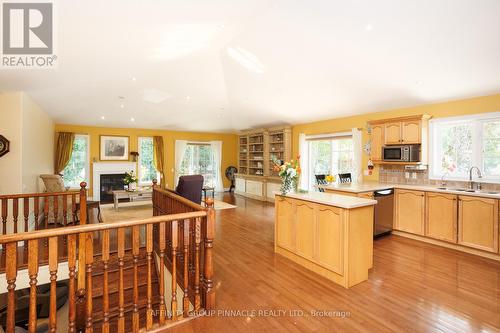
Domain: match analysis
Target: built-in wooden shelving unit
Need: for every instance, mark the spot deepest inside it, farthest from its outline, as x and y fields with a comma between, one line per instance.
x=257, y=150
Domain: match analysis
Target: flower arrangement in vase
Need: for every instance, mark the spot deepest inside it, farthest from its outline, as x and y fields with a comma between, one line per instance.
x=130, y=180
x=289, y=173
x=330, y=179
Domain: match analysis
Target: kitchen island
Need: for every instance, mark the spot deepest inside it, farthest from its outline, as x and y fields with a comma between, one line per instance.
x=329, y=234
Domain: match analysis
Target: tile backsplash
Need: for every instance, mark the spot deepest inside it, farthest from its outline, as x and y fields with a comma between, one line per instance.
x=396, y=174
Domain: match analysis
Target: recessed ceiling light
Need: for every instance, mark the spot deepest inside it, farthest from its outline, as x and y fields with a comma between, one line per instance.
x=368, y=27
x=133, y=79
x=188, y=97
x=122, y=106
x=102, y=117
x=132, y=119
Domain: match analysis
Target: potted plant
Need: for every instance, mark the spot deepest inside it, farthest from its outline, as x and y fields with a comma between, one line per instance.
x=289, y=173
x=130, y=180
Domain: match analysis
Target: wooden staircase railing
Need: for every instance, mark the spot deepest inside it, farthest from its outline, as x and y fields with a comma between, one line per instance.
x=22, y=213
x=53, y=209
x=167, y=237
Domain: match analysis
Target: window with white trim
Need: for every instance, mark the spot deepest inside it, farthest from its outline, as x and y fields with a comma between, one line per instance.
x=459, y=143
x=199, y=160
x=329, y=156
x=147, y=170
x=78, y=168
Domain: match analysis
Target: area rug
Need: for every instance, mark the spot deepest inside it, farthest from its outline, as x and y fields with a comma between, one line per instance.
x=220, y=205
x=136, y=211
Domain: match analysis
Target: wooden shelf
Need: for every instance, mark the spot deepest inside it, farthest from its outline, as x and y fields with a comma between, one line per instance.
x=264, y=139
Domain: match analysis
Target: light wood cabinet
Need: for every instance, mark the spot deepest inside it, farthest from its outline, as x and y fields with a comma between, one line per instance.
x=404, y=132
x=305, y=230
x=377, y=141
x=411, y=132
x=257, y=148
x=285, y=231
x=330, y=240
x=334, y=242
x=478, y=223
x=409, y=211
x=392, y=133
x=441, y=216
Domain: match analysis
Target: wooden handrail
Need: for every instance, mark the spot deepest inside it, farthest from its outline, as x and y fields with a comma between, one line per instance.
x=177, y=197
x=71, y=230
x=37, y=195
x=180, y=233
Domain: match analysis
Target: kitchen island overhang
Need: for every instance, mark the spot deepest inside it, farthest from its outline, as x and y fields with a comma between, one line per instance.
x=329, y=234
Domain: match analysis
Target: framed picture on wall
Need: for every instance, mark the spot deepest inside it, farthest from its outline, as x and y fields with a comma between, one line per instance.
x=114, y=148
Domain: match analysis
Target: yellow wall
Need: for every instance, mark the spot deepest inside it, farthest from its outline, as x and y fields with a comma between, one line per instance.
x=438, y=110
x=38, y=145
x=11, y=129
x=229, y=144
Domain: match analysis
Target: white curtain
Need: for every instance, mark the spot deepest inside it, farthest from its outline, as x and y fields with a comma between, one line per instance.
x=304, y=162
x=180, y=150
x=357, y=167
x=216, y=147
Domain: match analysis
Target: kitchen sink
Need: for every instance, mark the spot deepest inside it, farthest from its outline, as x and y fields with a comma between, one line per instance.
x=467, y=190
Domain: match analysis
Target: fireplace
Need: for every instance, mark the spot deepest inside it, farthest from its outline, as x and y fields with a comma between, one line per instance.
x=109, y=169
x=109, y=183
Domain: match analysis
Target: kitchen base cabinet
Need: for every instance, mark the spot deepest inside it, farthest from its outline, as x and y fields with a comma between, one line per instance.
x=441, y=216
x=409, y=211
x=478, y=223
x=335, y=242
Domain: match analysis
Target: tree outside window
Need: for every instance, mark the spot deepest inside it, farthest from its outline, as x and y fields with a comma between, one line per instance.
x=330, y=156
x=459, y=143
x=77, y=170
x=199, y=160
x=147, y=171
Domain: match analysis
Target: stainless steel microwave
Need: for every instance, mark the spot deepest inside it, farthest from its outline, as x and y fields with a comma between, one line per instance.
x=405, y=153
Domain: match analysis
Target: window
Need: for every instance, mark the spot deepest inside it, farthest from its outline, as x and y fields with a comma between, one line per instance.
x=459, y=143
x=77, y=170
x=147, y=171
x=199, y=160
x=331, y=155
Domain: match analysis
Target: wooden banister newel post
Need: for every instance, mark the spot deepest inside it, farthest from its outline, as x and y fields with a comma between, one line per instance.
x=81, y=293
x=208, y=266
x=154, y=199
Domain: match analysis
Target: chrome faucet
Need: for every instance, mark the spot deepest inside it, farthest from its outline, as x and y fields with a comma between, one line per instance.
x=471, y=183
x=443, y=182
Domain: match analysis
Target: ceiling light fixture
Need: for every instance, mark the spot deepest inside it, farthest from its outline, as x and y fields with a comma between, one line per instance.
x=134, y=79
x=368, y=27
x=122, y=106
x=102, y=117
x=188, y=97
x=132, y=119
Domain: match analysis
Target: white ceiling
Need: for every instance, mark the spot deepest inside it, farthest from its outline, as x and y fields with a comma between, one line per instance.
x=225, y=65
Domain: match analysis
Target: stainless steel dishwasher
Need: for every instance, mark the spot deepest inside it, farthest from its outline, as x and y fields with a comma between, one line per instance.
x=382, y=221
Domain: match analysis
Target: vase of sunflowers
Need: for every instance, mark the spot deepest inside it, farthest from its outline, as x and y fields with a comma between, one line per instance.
x=289, y=173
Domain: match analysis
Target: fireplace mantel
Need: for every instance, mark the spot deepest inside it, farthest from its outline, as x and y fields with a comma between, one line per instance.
x=104, y=168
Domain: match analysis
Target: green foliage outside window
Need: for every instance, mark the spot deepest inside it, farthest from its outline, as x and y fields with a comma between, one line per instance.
x=147, y=171
x=76, y=171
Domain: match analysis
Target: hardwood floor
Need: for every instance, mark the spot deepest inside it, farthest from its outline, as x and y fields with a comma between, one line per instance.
x=413, y=287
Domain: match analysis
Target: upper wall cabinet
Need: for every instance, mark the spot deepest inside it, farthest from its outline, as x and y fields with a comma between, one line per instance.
x=399, y=131
x=377, y=142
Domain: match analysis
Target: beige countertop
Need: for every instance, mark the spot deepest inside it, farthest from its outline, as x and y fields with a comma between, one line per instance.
x=374, y=186
x=330, y=199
